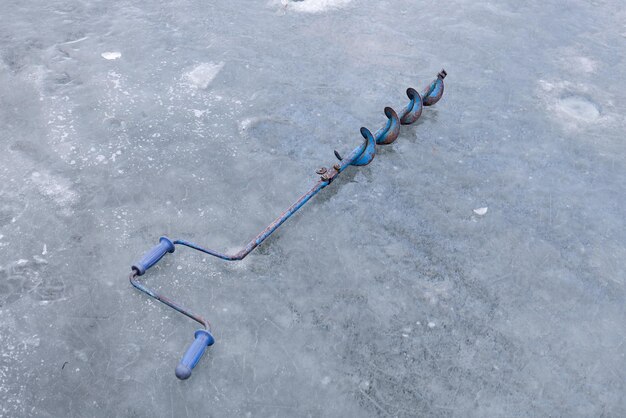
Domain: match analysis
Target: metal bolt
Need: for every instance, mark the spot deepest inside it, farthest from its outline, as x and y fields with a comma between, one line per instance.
x=321, y=170
x=337, y=167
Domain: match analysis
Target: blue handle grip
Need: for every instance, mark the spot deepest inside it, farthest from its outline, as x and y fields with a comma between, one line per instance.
x=154, y=255
x=194, y=353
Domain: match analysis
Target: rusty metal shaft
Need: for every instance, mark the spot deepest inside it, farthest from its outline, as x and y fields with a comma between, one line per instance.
x=360, y=156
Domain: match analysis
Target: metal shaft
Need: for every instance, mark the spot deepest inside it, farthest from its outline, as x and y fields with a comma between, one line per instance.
x=327, y=178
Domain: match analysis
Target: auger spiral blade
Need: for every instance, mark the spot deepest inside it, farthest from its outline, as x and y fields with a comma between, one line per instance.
x=413, y=110
x=388, y=133
x=369, y=149
x=435, y=90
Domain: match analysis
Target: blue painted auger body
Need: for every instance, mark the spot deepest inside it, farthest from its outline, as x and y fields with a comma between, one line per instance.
x=361, y=155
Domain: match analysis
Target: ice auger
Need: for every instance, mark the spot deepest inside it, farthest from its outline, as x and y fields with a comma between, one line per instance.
x=361, y=155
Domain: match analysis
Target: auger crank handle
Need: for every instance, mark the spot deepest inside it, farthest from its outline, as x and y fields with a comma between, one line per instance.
x=194, y=353
x=150, y=258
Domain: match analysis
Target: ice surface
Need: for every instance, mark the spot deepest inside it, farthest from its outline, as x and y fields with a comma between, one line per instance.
x=386, y=295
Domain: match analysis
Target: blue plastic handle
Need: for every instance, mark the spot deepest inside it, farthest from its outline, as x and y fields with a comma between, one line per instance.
x=194, y=353
x=150, y=258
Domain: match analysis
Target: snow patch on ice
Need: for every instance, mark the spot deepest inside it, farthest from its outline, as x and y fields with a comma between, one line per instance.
x=56, y=188
x=481, y=211
x=586, y=65
x=111, y=55
x=571, y=60
x=204, y=74
x=313, y=6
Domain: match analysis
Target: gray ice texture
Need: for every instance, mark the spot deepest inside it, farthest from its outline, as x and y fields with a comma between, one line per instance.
x=475, y=269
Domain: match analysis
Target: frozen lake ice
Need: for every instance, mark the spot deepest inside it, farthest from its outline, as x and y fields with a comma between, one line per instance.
x=475, y=268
